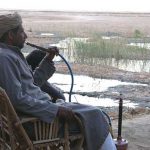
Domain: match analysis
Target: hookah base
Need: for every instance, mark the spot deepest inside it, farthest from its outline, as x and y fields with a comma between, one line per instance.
x=121, y=144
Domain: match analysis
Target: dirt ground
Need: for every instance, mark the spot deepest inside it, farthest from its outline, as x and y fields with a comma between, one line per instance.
x=136, y=131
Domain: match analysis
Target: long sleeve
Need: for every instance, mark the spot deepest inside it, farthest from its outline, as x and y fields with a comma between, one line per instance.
x=43, y=72
x=26, y=97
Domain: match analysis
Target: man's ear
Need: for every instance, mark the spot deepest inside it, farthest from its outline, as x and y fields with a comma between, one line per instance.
x=10, y=35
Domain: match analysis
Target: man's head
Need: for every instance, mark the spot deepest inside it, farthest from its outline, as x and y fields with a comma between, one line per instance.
x=11, y=30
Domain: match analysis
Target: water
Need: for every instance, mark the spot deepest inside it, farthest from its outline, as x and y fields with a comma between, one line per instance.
x=103, y=102
x=110, y=37
x=127, y=65
x=47, y=34
x=89, y=84
x=67, y=47
x=68, y=50
x=140, y=45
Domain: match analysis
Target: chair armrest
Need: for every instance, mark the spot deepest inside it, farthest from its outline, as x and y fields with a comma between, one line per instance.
x=25, y=120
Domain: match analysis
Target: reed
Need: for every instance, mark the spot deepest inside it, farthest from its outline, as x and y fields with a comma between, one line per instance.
x=117, y=49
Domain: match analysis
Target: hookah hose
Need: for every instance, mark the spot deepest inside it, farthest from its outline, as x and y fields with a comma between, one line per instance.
x=70, y=70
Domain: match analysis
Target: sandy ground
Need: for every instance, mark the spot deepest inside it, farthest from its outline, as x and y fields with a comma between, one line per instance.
x=136, y=131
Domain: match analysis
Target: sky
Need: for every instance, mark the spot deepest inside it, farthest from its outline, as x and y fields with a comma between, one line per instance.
x=79, y=5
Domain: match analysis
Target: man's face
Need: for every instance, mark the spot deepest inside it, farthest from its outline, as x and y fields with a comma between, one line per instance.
x=19, y=37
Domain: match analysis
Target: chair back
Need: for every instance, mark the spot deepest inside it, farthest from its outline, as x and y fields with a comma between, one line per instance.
x=12, y=136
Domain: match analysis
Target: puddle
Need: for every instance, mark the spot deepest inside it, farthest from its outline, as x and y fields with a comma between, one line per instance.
x=69, y=42
x=140, y=45
x=89, y=84
x=110, y=37
x=47, y=34
x=85, y=83
x=103, y=102
x=128, y=65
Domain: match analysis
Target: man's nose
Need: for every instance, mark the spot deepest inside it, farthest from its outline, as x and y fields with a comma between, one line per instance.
x=25, y=35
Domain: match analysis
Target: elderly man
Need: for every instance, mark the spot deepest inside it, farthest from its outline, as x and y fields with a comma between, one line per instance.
x=23, y=86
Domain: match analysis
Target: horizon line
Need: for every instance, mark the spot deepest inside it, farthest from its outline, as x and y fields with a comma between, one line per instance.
x=73, y=11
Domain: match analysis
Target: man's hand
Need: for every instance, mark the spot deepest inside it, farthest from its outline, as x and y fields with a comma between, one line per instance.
x=53, y=50
x=65, y=113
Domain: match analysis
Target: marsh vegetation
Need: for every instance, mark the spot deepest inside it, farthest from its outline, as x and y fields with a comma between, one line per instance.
x=111, y=38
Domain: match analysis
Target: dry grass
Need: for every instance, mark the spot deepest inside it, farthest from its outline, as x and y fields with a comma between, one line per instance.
x=67, y=22
x=82, y=24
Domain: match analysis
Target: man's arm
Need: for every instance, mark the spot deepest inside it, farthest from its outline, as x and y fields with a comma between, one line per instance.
x=43, y=72
x=46, y=68
x=10, y=80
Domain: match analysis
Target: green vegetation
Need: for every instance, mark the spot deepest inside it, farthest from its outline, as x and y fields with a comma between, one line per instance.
x=117, y=48
x=137, y=34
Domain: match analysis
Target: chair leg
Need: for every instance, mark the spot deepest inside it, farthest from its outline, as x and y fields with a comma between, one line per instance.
x=2, y=147
x=76, y=145
x=66, y=146
x=66, y=134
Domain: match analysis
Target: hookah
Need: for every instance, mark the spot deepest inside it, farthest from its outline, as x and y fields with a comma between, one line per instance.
x=121, y=144
x=70, y=70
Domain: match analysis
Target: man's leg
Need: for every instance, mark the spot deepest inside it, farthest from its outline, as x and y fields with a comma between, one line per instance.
x=108, y=144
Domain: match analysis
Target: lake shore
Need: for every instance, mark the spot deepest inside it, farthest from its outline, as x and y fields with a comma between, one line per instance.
x=135, y=93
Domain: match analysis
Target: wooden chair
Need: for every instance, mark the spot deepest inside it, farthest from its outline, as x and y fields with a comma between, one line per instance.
x=14, y=137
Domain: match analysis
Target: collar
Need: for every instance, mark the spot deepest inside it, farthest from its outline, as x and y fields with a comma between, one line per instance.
x=13, y=48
